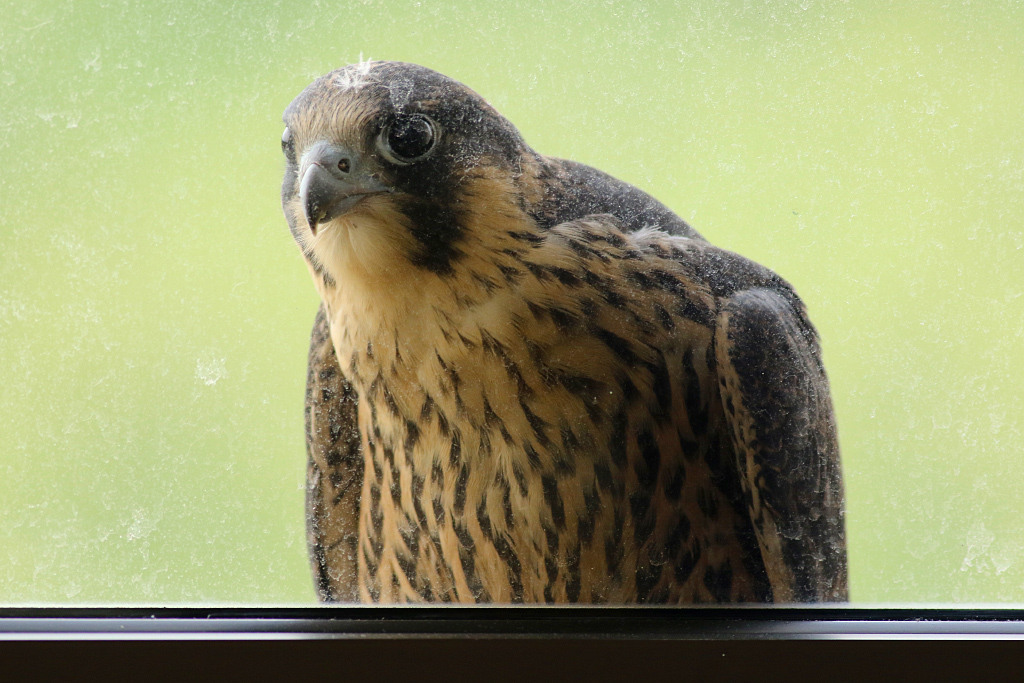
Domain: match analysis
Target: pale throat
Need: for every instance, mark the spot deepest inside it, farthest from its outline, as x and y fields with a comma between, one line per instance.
x=380, y=306
x=407, y=316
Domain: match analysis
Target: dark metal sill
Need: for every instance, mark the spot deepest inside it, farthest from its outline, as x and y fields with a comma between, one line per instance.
x=457, y=622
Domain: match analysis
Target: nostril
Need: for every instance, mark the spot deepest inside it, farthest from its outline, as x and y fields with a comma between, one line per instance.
x=344, y=165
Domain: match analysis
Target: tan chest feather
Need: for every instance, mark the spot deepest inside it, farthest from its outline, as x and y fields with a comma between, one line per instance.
x=541, y=434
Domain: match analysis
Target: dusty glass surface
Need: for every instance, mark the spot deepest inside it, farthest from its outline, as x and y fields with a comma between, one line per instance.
x=154, y=312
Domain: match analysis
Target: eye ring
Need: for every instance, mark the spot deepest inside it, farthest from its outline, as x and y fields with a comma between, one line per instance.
x=408, y=138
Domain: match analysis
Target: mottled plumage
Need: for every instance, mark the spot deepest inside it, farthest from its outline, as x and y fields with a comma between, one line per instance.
x=532, y=382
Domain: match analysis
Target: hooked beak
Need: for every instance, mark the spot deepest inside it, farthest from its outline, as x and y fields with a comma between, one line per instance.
x=333, y=181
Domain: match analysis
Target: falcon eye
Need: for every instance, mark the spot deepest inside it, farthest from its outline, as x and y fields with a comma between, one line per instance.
x=408, y=138
x=287, y=144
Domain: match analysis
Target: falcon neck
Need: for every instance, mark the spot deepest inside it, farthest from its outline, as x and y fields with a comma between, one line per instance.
x=402, y=310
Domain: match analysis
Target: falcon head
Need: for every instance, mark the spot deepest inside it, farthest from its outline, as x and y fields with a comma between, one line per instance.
x=388, y=162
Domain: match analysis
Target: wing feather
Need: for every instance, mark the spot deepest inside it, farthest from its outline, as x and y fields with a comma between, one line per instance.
x=334, y=474
x=777, y=400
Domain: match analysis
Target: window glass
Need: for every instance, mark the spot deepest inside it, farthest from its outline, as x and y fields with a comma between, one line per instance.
x=155, y=313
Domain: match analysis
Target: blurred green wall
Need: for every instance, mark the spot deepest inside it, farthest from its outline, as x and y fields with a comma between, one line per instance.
x=154, y=312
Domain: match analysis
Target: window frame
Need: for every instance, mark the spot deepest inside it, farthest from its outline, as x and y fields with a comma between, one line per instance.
x=508, y=643
x=712, y=622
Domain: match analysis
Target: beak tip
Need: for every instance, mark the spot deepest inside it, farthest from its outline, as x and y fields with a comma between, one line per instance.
x=312, y=193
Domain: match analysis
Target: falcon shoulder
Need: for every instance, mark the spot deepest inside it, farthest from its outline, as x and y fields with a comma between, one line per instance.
x=573, y=191
x=773, y=387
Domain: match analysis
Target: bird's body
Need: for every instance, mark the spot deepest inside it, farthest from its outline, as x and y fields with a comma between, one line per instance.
x=531, y=382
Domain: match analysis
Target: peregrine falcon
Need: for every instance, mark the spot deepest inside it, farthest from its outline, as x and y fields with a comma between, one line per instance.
x=531, y=382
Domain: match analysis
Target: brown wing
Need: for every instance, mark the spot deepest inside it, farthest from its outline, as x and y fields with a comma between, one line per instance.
x=334, y=475
x=776, y=397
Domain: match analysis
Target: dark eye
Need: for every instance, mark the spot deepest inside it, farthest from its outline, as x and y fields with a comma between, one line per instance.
x=408, y=138
x=287, y=144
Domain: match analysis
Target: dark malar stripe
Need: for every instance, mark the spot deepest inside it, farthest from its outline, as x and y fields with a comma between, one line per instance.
x=438, y=229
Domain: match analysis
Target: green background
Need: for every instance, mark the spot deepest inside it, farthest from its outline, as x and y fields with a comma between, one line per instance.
x=154, y=312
